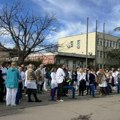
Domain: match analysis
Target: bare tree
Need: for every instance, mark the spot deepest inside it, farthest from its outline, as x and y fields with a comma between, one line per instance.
x=28, y=32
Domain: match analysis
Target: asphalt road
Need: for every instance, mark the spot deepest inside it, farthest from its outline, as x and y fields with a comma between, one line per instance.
x=81, y=108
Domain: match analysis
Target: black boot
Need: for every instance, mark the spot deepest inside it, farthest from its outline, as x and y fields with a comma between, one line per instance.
x=36, y=99
x=29, y=98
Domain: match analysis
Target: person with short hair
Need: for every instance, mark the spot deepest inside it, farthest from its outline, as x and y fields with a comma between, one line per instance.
x=1, y=87
x=40, y=78
x=81, y=81
x=11, y=83
x=60, y=76
x=21, y=84
x=54, y=84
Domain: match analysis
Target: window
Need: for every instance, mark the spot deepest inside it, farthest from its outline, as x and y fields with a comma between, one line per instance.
x=104, y=56
x=100, y=65
x=66, y=62
x=116, y=45
x=71, y=43
x=107, y=43
x=101, y=42
x=98, y=53
x=101, y=54
x=110, y=43
x=113, y=44
x=78, y=63
x=98, y=42
x=78, y=44
x=74, y=64
x=81, y=64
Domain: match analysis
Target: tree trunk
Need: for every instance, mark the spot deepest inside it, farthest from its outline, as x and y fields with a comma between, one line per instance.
x=21, y=60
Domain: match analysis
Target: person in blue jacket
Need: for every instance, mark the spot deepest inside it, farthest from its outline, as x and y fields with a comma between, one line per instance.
x=12, y=82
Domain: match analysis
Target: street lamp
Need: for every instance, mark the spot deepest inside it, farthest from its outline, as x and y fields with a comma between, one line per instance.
x=87, y=44
x=103, y=44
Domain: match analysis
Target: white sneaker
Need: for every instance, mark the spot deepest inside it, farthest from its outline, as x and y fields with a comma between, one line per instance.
x=45, y=90
x=61, y=100
x=13, y=105
x=26, y=95
x=8, y=105
x=76, y=88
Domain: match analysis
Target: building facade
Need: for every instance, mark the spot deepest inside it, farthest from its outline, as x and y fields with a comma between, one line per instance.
x=70, y=60
x=4, y=55
x=98, y=45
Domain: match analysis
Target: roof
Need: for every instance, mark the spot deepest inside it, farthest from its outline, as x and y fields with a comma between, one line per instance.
x=88, y=34
x=65, y=54
x=75, y=55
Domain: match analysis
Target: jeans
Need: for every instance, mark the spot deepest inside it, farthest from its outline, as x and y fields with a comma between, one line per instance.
x=53, y=91
x=19, y=95
x=92, y=89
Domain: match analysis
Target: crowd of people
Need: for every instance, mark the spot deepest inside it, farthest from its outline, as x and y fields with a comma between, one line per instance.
x=16, y=80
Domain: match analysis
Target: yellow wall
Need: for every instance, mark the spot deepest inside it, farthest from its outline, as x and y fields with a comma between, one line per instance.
x=64, y=42
x=101, y=56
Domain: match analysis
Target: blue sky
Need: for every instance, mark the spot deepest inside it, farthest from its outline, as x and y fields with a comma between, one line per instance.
x=72, y=14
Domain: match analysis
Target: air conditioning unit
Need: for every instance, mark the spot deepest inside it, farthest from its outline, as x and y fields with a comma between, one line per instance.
x=90, y=53
x=68, y=46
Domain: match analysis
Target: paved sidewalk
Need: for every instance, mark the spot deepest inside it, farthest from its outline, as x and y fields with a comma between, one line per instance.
x=82, y=108
x=45, y=97
x=7, y=110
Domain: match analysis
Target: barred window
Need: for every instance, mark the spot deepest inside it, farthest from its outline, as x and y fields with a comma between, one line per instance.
x=78, y=44
x=71, y=43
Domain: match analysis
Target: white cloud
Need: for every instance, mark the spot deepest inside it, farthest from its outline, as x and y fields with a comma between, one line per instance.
x=69, y=29
x=63, y=9
x=72, y=14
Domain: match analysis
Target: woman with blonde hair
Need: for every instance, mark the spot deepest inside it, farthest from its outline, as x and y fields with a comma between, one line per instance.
x=11, y=82
x=31, y=84
x=101, y=79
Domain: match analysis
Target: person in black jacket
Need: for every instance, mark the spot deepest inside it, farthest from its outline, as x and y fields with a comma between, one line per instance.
x=74, y=76
x=65, y=83
x=87, y=81
x=1, y=87
x=91, y=81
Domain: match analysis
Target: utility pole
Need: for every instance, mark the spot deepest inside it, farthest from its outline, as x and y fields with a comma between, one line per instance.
x=103, y=44
x=87, y=44
x=96, y=37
